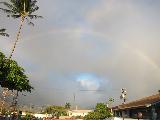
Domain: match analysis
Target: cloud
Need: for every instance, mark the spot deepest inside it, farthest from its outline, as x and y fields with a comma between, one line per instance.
x=88, y=82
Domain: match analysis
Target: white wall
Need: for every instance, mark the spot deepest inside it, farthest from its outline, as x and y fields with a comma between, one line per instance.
x=79, y=112
x=116, y=118
x=42, y=115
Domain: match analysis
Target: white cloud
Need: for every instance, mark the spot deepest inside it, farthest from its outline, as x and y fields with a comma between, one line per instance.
x=89, y=84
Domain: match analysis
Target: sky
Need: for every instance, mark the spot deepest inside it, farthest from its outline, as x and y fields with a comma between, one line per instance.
x=85, y=51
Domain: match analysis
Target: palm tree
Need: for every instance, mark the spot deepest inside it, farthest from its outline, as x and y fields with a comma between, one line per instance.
x=22, y=9
x=111, y=100
x=3, y=33
x=67, y=105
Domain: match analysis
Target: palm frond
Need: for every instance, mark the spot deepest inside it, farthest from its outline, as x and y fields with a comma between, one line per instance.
x=9, y=6
x=33, y=9
x=16, y=16
x=34, y=16
x=2, y=32
x=33, y=3
x=29, y=22
x=6, y=11
x=17, y=8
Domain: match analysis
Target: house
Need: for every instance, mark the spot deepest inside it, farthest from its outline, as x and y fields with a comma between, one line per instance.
x=149, y=107
x=73, y=113
x=42, y=115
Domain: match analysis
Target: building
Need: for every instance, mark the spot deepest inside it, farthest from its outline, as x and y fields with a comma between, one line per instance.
x=42, y=115
x=82, y=113
x=149, y=107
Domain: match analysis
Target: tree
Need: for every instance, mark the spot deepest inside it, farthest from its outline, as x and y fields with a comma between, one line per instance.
x=3, y=33
x=110, y=102
x=12, y=76
x=92, y=116
x=100, y=113
x=103, y=111
x=22, y=9
x=67, y=105
x=56, y=110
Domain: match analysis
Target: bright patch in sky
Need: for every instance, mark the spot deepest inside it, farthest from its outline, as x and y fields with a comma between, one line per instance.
x=88, y=81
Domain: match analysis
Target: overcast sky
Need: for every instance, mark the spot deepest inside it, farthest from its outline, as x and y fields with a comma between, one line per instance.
x=102, y=45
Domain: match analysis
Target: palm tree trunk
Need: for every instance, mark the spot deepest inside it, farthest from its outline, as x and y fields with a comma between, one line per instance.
x=17, y=36
x=13, y=49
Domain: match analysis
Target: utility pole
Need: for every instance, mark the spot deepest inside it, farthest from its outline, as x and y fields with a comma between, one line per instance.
x=74, y=98
x=123, y=95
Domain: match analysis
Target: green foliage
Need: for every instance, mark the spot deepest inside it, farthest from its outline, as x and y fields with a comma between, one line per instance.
x=92, y=116
x=101, y=112
x=3, y=111
x=12, y=76
x=27, y=116
x=67, y=105
x=56, y=111
x=78, y=117
x=4, y=68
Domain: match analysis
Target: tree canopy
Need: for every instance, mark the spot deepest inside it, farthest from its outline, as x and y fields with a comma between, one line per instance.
x=56, y=110
x=19, y=8
x=100, y=113
x=12, y=76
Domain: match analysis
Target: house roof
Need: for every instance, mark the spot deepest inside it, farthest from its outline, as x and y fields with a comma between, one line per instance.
x=80, y=111
x=144, y=102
